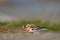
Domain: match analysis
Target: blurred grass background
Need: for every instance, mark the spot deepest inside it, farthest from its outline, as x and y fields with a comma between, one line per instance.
x=17, y=24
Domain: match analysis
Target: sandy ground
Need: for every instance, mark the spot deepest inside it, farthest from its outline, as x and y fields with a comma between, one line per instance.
x=28, y=36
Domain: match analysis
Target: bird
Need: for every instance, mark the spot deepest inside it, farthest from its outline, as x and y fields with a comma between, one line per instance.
x=32, y=28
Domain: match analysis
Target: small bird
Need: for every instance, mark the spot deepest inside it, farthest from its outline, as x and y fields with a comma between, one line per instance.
x=33, y=28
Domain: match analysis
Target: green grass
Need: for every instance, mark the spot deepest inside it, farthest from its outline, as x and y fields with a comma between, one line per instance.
x=48, y=25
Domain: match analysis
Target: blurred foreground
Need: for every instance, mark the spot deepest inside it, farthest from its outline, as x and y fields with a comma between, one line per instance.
x=27, y=36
